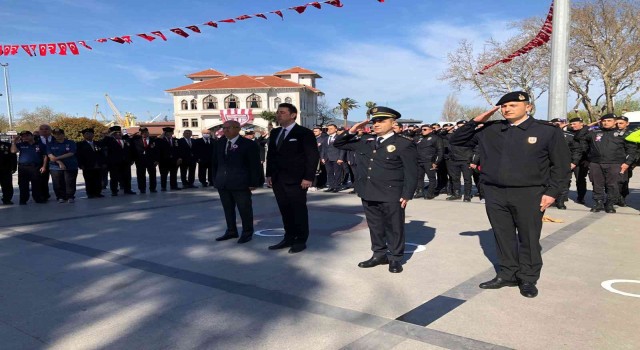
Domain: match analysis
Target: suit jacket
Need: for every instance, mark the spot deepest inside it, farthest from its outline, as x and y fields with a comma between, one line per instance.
x=145, y=155
x=117, y=154
x=297, y=157
x=8, y=160
x=167, y=151
x=91, y=157
x=203, y=151
x=240, y=168
x=386, y=174
x=262, y=142
x=187, y=153
x=330, y=152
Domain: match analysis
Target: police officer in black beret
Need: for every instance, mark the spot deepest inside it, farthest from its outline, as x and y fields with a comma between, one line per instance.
x=525, y=166
x=8, y=166
x=430, y=150
x=579, y=131
x=576, y=149
x=92, y=159
x=622, y=123
x=385, y=180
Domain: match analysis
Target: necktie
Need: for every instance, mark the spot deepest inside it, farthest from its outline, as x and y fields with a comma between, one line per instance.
x=121, y=144
x=378, y=141
x=189, y=142
x=331, y=139
x=228, y=148
x=281, y=137
x=206, y=141
x=145, y=143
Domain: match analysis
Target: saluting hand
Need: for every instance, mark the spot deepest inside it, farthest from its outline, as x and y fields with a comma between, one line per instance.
x=546, y=202
x=482, y=118
x=354, y=129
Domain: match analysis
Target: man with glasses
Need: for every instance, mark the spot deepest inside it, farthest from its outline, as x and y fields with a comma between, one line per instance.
x=430, y=154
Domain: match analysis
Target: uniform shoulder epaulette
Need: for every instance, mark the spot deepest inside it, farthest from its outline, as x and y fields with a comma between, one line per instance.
x=405, y=137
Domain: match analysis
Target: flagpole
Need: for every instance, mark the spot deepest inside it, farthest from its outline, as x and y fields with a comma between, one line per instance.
x=559, y=72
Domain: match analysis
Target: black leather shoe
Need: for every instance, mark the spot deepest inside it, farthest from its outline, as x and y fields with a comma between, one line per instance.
x=609, y=209
x=143, y=192
x=395, y=266
x=597, y=207
x=328, y=190
x=374, y=261
x=283, y=244
x=497, y=283
x=622, y=202
x=153, y=191
x=467, y=199
x=528, y=289
x=114, y=194
x=227, y=236
x=561, y=206
x=297, y=248
x=352, y=192
x=129, y=192
x=245, y=239
x=336, y=190
x=580, y=201
x=418, y=194
x=454, y=197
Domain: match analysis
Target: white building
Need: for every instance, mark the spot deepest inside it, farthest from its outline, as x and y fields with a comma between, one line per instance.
x=213, y=95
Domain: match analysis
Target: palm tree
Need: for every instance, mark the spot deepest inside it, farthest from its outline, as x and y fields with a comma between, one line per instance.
x=344, y=106
x=369, y=105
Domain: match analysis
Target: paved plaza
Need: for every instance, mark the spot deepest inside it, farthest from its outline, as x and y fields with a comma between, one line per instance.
x=144, y=272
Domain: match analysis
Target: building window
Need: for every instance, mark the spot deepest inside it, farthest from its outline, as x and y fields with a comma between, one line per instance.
x=210, y=102
x=288, y=100
x=277, y=102
x=185, y=122
x=231, y=102
x=194, y=123
x=194, y=104
x=184, y=105
x=254, y=101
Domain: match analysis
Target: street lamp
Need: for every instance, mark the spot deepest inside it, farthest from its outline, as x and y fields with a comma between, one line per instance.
x=5, y=67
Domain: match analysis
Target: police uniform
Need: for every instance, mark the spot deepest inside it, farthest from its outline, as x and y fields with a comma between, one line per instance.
x=520, y=164
x=31, y=158
x=387, y=171
x=458, y=161
x=576, y=149
x=624, y=178
x=430, y=151
x=581, y=170
x=8, y=166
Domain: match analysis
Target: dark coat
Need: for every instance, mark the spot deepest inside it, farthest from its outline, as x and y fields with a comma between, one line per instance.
x=297, y=157
x=8, y=160
x=142, y=155
x=204, y=152
x=430, y=149
x=240, y=168
x=117, y=154
x=330, y=152
x=91, y=157
x=167, y=151
x=187, y=153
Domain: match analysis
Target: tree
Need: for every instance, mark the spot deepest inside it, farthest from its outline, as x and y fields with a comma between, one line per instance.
x=452, y=110
x=345, y=105
x=73, y=126
x=42, y=115
x=369, y=105
x=324, y=113
x=4, y=123
x=270, y=117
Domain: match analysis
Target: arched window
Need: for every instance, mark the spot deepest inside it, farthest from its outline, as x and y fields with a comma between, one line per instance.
x=288, y=100
x=210, y=102
x=254, y=101
x=231, y=101
x=194, y=104
x=277, y=102
x=184, y=105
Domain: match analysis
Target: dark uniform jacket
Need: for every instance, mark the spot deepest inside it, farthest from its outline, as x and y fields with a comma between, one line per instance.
x=117, y=154
x=458, y=153
x=144, y=155
x=187, y=153
x=330, y=152
x=532, y=153
x=386, y=174
x=91, y=157
x=8, y=160
x=168, y=153
x=430, y=149
x=203, y=151
x=240, y=168
x=608, y=146
x=575, y=147
x=297, y=157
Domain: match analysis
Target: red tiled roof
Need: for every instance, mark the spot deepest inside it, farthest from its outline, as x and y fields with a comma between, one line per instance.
x=297, y=69
x=242, y=82
x=207, y=73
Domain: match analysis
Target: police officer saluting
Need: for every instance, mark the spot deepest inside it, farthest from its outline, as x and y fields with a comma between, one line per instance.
x=8, y=166
x=385, y=180
x=525, y=166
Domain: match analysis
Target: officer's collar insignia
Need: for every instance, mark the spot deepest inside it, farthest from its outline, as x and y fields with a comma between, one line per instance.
x=522, y=98
x=391, y=148
x=532, y=140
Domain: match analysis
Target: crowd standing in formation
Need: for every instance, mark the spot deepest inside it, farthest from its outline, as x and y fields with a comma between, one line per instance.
x=520, y=167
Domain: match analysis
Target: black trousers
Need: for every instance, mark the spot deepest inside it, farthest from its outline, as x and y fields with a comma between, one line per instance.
x=44, y=184
x=442, y=177
x=105, y=177
x=6, y=182
x=347, y=174
x=580, y=172
x=30, y=175
x=455, y=168
x=205, y=173
x=478, y=182
x=386, y=228
x=242, y=200
x=120, y=174
x=605, y=176
x=425, y=168
x=321, y=178
x=624, y=183
x=514, y=210
x=142, y=169
x=335, y=172
x=64, y=183
x=292, y=202
x=92, y=181
x=188, y=173
x=170, y=171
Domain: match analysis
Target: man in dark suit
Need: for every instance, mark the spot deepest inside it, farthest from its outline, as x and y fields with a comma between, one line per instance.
x=321, y=171
x=236, y=169
x=386, y=180
x=44, y=135
x=146, y=158
x=169, y=159
x=203, y=150
x=333, y=160
x=119, y=161
x=188, y=165
x=92, y=160
x=292, y=159
x=8, y=167
x=262, y=143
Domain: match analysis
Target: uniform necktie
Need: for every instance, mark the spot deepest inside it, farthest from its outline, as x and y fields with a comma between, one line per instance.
x=378, y=141
x=226, y=152
x=281, y=137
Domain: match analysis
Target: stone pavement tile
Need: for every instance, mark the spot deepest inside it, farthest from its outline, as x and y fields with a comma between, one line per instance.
x=415, y=345
x=14, y=339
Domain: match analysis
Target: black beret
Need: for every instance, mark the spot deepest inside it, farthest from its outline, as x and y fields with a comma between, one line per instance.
x=623, y=118
x=447, y=125
x=517, y=96
x=249, y=132
x=167, y=129
x=435, y=125
x=609, y=116
x=554, y=120
x=87, y=130
x=115, y=128
x=575, y=119
x=143, y=128
x=379, y=113
x=461, y=122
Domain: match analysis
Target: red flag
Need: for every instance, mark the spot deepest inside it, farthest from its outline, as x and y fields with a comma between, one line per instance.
x=261, y=15
x=212, y=24
x=230, y=20
x=73, y=48
x=146, y=37
x=52, y=48
x=243, y=17
x=14, y=49
x=1, y=50
x=278, y=12
x=159, y=33
x=315, y=4
x=194, y=29
x=117, y=39
x=27, y=50
x=180, y=32
x=43, y=49
x=103, y=40
x=335, y=3
x=63, y=49
x=7, y=50
x=81, y=42
x=34, y=48
x=299, y=9
x=127, y=39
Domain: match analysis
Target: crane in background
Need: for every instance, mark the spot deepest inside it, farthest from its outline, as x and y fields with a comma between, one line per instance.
x=103, y=119
x=126, y=121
